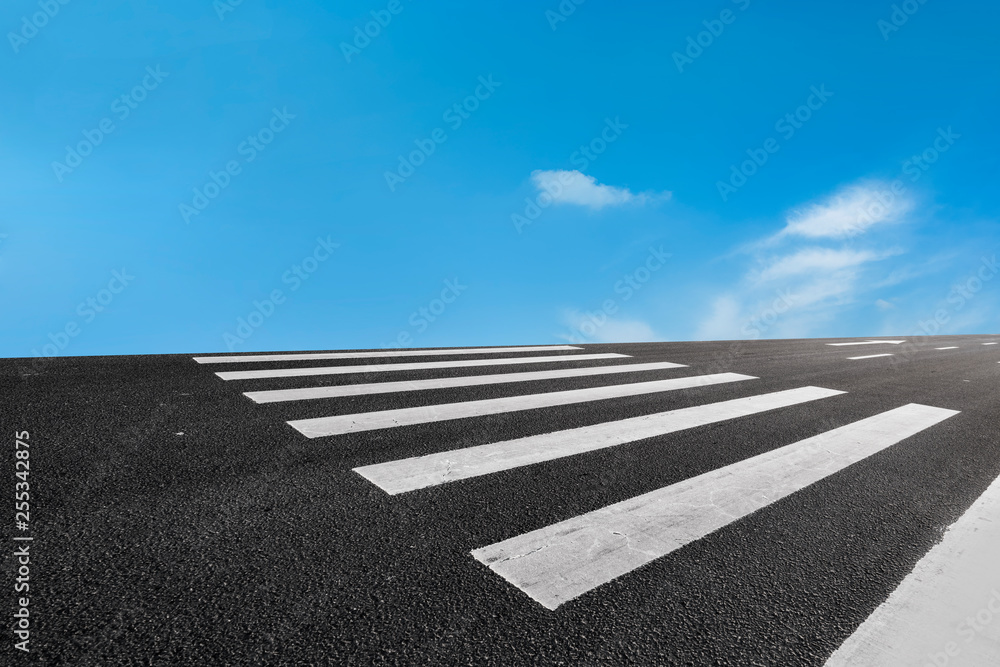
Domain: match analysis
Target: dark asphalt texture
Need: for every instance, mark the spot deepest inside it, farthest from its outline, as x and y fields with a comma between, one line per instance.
x=178, y=522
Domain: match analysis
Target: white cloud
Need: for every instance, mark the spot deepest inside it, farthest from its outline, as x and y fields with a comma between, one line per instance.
x=574, y=187
x=850, y=212
x=797, y=285
x=814, y=261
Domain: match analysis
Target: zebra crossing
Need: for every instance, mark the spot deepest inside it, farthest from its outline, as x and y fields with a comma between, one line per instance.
x=368, y=421
x=305, y=393
x=389, y=368
x=411, y=474
x=561, y=562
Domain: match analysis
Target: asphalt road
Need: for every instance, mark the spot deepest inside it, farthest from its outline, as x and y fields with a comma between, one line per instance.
x=175, y=521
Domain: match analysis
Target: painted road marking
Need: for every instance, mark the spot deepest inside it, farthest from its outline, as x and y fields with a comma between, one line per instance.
x=870, y=356
x=368, y=421
x=411, y=366
x=947, y=610
x=870, y=342
x=989, y=343
x=444, y=383
x=953, y=347
x=422, y=471
x=380, y=353
x=558, y=563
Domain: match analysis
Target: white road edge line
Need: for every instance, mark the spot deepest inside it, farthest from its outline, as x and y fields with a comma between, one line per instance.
x=419, y=472
x=945, y=611
x=411, y=366
x=560, y=562
x=306, y=393
x=869, y=342
x=870, y=356
x=291, y=356
x=368, y=421
x=989, y=343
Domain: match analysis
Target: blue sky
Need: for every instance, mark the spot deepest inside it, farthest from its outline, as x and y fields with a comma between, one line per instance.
x=190, y=176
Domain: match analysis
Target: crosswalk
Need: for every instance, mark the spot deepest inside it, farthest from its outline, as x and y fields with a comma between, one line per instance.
x=395, y=368
x=393, y=354
x=368, y=389
x=368, y=421
x=559, y=563
x=411, y=474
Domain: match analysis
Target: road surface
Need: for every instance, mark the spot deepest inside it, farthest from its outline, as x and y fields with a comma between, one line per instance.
x=770, y=502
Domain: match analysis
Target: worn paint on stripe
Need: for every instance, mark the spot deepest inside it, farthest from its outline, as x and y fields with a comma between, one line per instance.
x=306, y=393
x=947, y=610
x=870, y=356
x=561, y=562
x=423, y=471
x=368, y=421
x=412, y=366
x=250, y=358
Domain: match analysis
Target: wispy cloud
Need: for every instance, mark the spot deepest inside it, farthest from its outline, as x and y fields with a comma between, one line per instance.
x=812, y=261
x=852, y=211
x=802, y=277
x=574, y=187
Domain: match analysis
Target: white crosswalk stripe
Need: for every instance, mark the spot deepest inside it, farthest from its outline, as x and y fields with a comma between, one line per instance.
x=306, y=393
x=423, y=471
x=868, y=342
x=945, y=611
x=366, y=421
x=375, y=354
x=558, y=563
x=415, y=366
